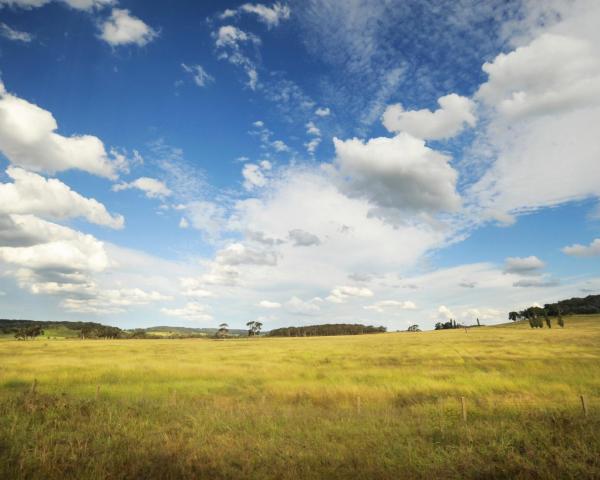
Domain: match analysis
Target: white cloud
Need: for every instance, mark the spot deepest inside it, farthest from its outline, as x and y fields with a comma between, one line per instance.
x=343, y=293
x=323, y=112
x=454, y=112
x=191, y=311
x=76, y=4
x=231, y=43
x=111, y=301
x=253, y=176
x=238, y=254
x=31, y=193
x=200, y=76
x=207, y=217
x=151, y=187
x=577, y=250
x=122, y=28
x=8, y=32
x=40, y=246
x=183, y=223
x=302, y=238
x=312, y=129
x=554, y=73
x=268, y=304
x=536, y=282
x=297, y=306
x=28, y=138
x=399, y=173
x=280, y=146
x=523, y=265
x=385, y=306
x=543, y=100
x=192, y=287
x=271, y=16
x=444, y=312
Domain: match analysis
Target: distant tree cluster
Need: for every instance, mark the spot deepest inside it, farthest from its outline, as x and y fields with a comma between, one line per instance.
x=326, y=330
x=575, y=306
x=101, y=331
x=538, y=317
x=448, y=325
x=32, y=331
x=413, y=328
x=254, y=328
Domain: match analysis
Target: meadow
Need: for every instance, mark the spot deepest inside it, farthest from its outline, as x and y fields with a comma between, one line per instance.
x=383, y=406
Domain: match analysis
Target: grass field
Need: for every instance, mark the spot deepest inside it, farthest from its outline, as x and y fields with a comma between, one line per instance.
x=365, y=407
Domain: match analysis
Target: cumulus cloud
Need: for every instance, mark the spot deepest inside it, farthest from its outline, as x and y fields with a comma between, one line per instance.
x=111, y=301
x=400, y=173
x=444, y=312
x=554, y=73
x=531, y=265
x=122, y=28
x=28, y=139
x=323, y=112
x=8, y=32
x=254, y=176
x=194, y=312
x=578, y=250
x=200, y=76
x=151, y=187
x=297, y=306
x=39, y=244
x=303, y=239
x=454, y=113
x=343, y=293
x=269, y=305
x=271, y=16
x=238, y=254
x=31, y=193
x=546, y=88
x=193, y=287
x=385, y=306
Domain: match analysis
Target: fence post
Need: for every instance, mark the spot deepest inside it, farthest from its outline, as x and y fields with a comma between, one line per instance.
x=463, y=404
x=34, y=386
x=584, y=405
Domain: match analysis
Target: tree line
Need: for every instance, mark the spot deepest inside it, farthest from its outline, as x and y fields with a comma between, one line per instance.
x=326, y=330
x=537, y=317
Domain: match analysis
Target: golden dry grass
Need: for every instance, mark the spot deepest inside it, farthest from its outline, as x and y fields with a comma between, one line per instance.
x=373, y=406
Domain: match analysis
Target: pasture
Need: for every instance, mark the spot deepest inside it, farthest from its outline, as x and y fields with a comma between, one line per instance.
x=383, y=406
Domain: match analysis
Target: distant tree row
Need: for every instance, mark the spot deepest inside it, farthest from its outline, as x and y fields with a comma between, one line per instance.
x=537, y=317
x=574, y=306
x=448, y=325
x=32, y=331
x=326, y=330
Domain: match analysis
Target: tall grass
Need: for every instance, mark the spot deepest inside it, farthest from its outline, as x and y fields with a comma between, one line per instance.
x=378, y=406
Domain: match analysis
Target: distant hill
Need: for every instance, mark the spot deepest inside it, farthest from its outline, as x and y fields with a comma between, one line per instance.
x=63, y=329
x=575, y=306
x=193, y=331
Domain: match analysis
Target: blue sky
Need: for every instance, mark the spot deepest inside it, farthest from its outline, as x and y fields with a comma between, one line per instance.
x=297, y=162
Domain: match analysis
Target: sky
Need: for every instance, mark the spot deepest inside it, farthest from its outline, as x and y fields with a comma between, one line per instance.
x=387, y=162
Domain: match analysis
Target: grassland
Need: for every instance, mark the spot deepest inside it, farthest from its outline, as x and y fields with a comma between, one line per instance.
x=363, y=407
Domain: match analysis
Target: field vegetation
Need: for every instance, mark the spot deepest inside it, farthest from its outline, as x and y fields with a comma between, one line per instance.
x=385, y=406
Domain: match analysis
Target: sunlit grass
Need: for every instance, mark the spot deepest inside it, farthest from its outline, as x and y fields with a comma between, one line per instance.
x=373, y=406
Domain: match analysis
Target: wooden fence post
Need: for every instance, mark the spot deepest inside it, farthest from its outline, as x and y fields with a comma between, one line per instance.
x=463, y=404
x=34, y=386
x=584, y=405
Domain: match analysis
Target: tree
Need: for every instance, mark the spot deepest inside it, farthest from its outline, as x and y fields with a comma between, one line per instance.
x=413, y=328
x=223, y=330
x=513, y=316
x=547, y=319
x=254, y=328
x=478, y=324
x=560, y=321
x=32, y=332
